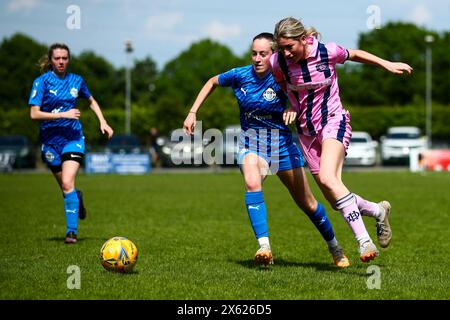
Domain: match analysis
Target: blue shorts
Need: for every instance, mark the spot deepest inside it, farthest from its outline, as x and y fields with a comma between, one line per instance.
x=54, y=155
x=288, y=159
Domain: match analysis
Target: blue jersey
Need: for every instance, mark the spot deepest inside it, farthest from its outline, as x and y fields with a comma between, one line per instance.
x=53, y=94
x=261, y=103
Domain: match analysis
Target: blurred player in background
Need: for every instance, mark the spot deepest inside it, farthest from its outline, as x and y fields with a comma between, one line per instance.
x=266, y=146
x=305, y=69
x=53, y=102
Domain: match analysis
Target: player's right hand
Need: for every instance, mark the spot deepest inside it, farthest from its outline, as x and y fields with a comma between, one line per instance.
x=289, y=116
x=189, y=123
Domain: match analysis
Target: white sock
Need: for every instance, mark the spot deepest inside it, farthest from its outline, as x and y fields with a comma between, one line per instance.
x=363, y=238
x=263, y=241
x=380, y=214
x=332, y=243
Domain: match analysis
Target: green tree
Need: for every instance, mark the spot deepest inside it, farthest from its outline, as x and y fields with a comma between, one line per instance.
x=369, y=85
x=19, y=56
x=441, y=68
x=183, y=77
x=99, y=75
x=144, y=75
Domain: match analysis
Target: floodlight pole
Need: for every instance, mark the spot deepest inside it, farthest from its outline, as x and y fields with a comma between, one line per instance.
x=429, y=40
x=128, y=51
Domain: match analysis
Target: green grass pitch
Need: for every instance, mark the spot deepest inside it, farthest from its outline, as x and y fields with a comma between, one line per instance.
x=195, y=240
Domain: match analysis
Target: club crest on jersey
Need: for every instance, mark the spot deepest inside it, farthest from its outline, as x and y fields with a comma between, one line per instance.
x=74, y=92
x=49, y=156
x=269, y=94
x=322, y=66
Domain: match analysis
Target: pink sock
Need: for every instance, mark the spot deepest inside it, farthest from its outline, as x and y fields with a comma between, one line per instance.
x=349, y=210
x=367, y=208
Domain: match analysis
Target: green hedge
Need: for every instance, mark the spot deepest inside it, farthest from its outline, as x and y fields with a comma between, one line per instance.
x=19, y=122
x=375, y=120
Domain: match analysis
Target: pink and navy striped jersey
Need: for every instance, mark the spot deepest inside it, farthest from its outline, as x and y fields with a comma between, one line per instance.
x=312, y=84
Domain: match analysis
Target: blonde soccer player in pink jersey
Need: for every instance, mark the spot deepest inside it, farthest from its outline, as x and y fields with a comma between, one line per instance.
x=306, y=69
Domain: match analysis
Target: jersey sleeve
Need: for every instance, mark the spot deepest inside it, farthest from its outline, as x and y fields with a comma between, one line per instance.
x=84, y=91
x=227, y=79
x=337, y=53
x=37, y=93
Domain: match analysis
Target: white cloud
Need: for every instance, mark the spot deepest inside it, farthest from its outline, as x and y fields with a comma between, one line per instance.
x=18, y=5
x=420, y=15
x=163, y=23
x=219, y=31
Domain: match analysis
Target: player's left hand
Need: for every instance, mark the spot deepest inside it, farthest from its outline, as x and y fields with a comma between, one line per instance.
x=289, y=116
x=399, y=68
x=105, y=128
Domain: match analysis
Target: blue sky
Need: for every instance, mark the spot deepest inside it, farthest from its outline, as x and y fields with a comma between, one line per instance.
x=162, y=29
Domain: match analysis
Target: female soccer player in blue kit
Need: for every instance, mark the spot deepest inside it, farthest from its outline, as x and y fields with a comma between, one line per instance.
x=266, y=144
x=53, y=102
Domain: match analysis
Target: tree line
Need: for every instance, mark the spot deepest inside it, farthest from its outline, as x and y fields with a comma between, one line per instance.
x=161, y=98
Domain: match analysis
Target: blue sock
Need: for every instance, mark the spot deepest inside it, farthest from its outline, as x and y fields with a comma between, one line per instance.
x=71, y=204
x=322, y=223
x=257, y=212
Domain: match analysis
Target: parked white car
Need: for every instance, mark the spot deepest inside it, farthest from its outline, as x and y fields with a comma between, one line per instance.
x=399, y=142
x=362, y=150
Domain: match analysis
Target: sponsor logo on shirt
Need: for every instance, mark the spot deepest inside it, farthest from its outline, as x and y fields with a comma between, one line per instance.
x=34, y=93
x=251, y=115
x=56, y=110
x=322, y=66
x=310, y=85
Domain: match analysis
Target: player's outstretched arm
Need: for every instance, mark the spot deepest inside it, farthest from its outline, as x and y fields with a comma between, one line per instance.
x=104, y=127
x=366, y=57
x=191, y=118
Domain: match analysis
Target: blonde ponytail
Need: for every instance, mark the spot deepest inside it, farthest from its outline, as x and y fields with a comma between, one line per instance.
x=293, y=28
x=44, y=64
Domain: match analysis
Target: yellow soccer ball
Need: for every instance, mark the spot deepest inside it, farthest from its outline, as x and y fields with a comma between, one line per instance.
x=119, y=254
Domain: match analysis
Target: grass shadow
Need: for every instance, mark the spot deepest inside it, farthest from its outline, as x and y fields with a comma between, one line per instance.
x=357, y=270
x=82, y=239
x=123, y=274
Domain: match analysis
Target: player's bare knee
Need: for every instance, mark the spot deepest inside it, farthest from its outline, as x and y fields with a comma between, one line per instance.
x=253, y=185
x=329, y=182
x=67, y=186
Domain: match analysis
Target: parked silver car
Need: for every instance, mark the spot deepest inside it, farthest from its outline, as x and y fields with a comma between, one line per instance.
x=399, y=142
